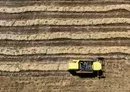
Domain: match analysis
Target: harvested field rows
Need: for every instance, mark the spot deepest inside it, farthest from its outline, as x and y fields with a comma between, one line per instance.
x=120, y=27
x=63, y=79
x=39, y=37
x=55, y=7
x=65, y=42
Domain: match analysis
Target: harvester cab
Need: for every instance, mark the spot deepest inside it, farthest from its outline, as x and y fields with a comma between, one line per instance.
x=93, y=66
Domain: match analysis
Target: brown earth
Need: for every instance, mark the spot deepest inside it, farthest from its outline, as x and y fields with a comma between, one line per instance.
x=39, y=37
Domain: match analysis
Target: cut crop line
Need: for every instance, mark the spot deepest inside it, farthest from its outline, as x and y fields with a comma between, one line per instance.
x=63, y=8
x=62, y=21
x=63, y=49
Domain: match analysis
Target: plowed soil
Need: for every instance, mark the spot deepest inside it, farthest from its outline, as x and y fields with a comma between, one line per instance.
x=39, y=37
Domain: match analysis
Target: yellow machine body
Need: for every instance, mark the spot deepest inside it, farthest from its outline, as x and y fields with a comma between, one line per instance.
x=96, y=66
x=74, y=65
x=88, y=66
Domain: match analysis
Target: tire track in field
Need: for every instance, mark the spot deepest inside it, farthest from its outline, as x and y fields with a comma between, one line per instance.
x=66, y=42
x=62, y=57
x=35, y=29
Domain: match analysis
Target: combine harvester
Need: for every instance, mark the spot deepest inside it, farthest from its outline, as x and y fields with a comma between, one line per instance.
x=95, y=67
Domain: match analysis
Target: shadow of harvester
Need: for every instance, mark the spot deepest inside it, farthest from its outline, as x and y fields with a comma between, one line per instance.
x=88, y=75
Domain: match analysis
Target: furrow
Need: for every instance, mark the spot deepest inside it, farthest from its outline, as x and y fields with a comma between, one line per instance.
x=14, y=3
x=119, y=13
x=66, y=42
x=39, y=29
x=61, y=57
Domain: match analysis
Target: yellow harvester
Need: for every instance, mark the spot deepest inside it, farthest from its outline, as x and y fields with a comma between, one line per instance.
x=87, y=66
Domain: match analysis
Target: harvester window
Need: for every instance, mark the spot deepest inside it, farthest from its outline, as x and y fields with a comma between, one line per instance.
x=85, y=66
